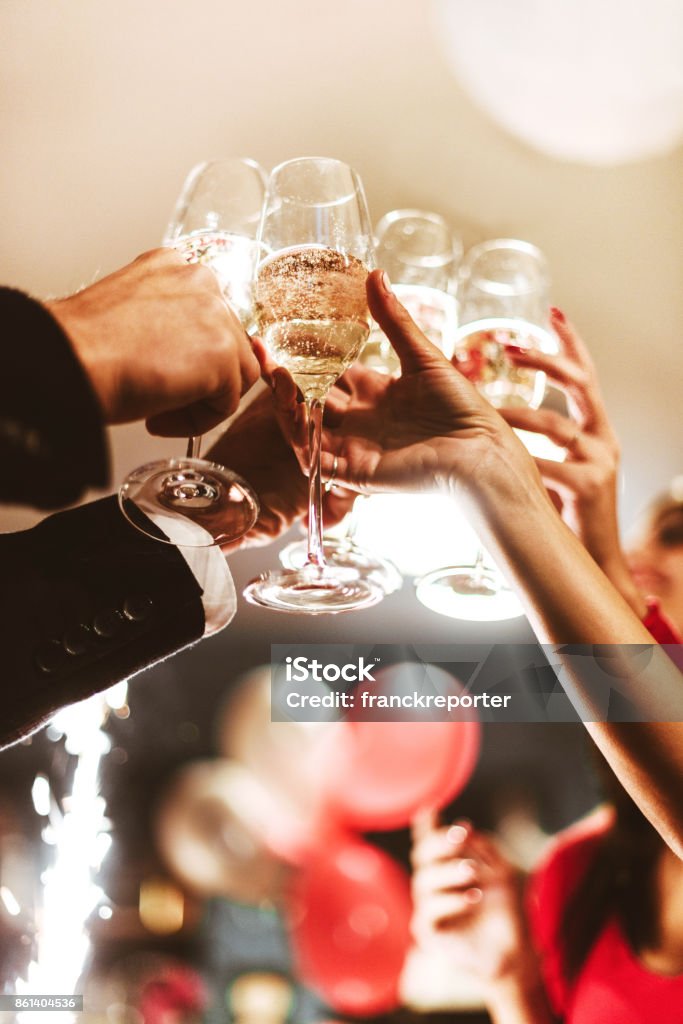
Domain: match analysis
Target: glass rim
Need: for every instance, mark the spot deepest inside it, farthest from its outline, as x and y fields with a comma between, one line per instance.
x=403, y=214
x=173, y=230
x=357, y=192
x=198, y=168
x=307, y=159
x=514, y=244
x=452, y=254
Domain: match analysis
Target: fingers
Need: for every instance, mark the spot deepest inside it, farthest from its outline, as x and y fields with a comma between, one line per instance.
x=446, y=876
x=570, y=339
x=162, y=256
x=442, y=909
x=413, y=349
x=190, y=421
x=558, y=428
x=265, y=361
x=563, y=371
x=291, y=413
x=441, y=844
x=337, y=503
x=572, y=371
x=250, y=371
x=423, y=823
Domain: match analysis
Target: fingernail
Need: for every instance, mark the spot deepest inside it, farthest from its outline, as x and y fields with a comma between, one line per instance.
x=557, y=314
x=386, y=283
x=465, y=869
x=474, y=895
x=515, y=350
x=456, y=835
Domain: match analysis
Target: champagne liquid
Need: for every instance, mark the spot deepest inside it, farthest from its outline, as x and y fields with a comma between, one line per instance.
x=480, y=351
x=233, y=259
x=435, y=313
x=312, y=313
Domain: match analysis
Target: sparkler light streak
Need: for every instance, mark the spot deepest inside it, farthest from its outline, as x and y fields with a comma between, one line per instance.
x=80, y=841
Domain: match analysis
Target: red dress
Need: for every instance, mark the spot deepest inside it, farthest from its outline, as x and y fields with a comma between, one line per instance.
x=662, y=629
x=613, y=986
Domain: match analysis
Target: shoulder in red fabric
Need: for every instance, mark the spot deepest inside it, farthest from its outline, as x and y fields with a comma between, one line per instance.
x=550, y=888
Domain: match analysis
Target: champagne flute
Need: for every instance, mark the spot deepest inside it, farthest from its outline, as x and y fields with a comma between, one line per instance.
x=503, y=301
x=197, y=503
x=312, y=315
x=421, y=256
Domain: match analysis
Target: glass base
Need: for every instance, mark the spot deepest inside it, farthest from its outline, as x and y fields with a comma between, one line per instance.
x=340, y=553
x=469, y=593
x=188, y=502
x=313, y=591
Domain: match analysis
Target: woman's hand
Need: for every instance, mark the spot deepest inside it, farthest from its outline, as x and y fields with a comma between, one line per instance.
x=468, y=910
x=428, y=429
x=467, y=900
x=254, y=447
x=586, y=482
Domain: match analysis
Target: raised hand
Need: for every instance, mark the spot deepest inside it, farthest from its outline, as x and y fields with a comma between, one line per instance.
x=428, y=429
x=587, y=480
x=468, y=911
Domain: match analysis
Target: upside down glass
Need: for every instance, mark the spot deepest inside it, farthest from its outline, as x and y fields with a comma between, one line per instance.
x=312, y=315
x=199, y=503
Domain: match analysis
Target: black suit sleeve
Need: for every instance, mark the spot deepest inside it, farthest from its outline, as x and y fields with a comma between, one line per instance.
x=86, y=600
x=52, y=442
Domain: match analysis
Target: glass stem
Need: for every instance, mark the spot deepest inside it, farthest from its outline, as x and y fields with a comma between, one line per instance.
x=316, y=554
x=194, y=447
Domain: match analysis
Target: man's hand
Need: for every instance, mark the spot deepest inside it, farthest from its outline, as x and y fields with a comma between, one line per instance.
x=255, y=448
x=159, y=342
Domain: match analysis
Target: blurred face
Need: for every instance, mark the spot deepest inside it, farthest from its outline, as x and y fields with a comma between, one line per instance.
x=656, y=561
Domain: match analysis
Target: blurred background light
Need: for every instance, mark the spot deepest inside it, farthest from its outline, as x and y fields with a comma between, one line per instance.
x=620, y=101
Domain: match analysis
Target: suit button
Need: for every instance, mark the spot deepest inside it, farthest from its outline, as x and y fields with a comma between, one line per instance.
x=49, y=657
x=76, y=640
x=137, y=608
x=107, y=623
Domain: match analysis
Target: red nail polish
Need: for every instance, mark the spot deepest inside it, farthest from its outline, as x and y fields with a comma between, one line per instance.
x=557, y=314
x=515, y=350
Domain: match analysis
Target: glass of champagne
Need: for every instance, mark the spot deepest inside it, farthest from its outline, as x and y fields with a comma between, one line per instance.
x=504, y=301
x=191, y=501
x=312, y=315
x=421, y=256
x=504, y=298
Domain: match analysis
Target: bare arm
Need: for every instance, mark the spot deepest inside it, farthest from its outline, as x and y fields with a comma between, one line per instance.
x=586, y=481
x=430, y=428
